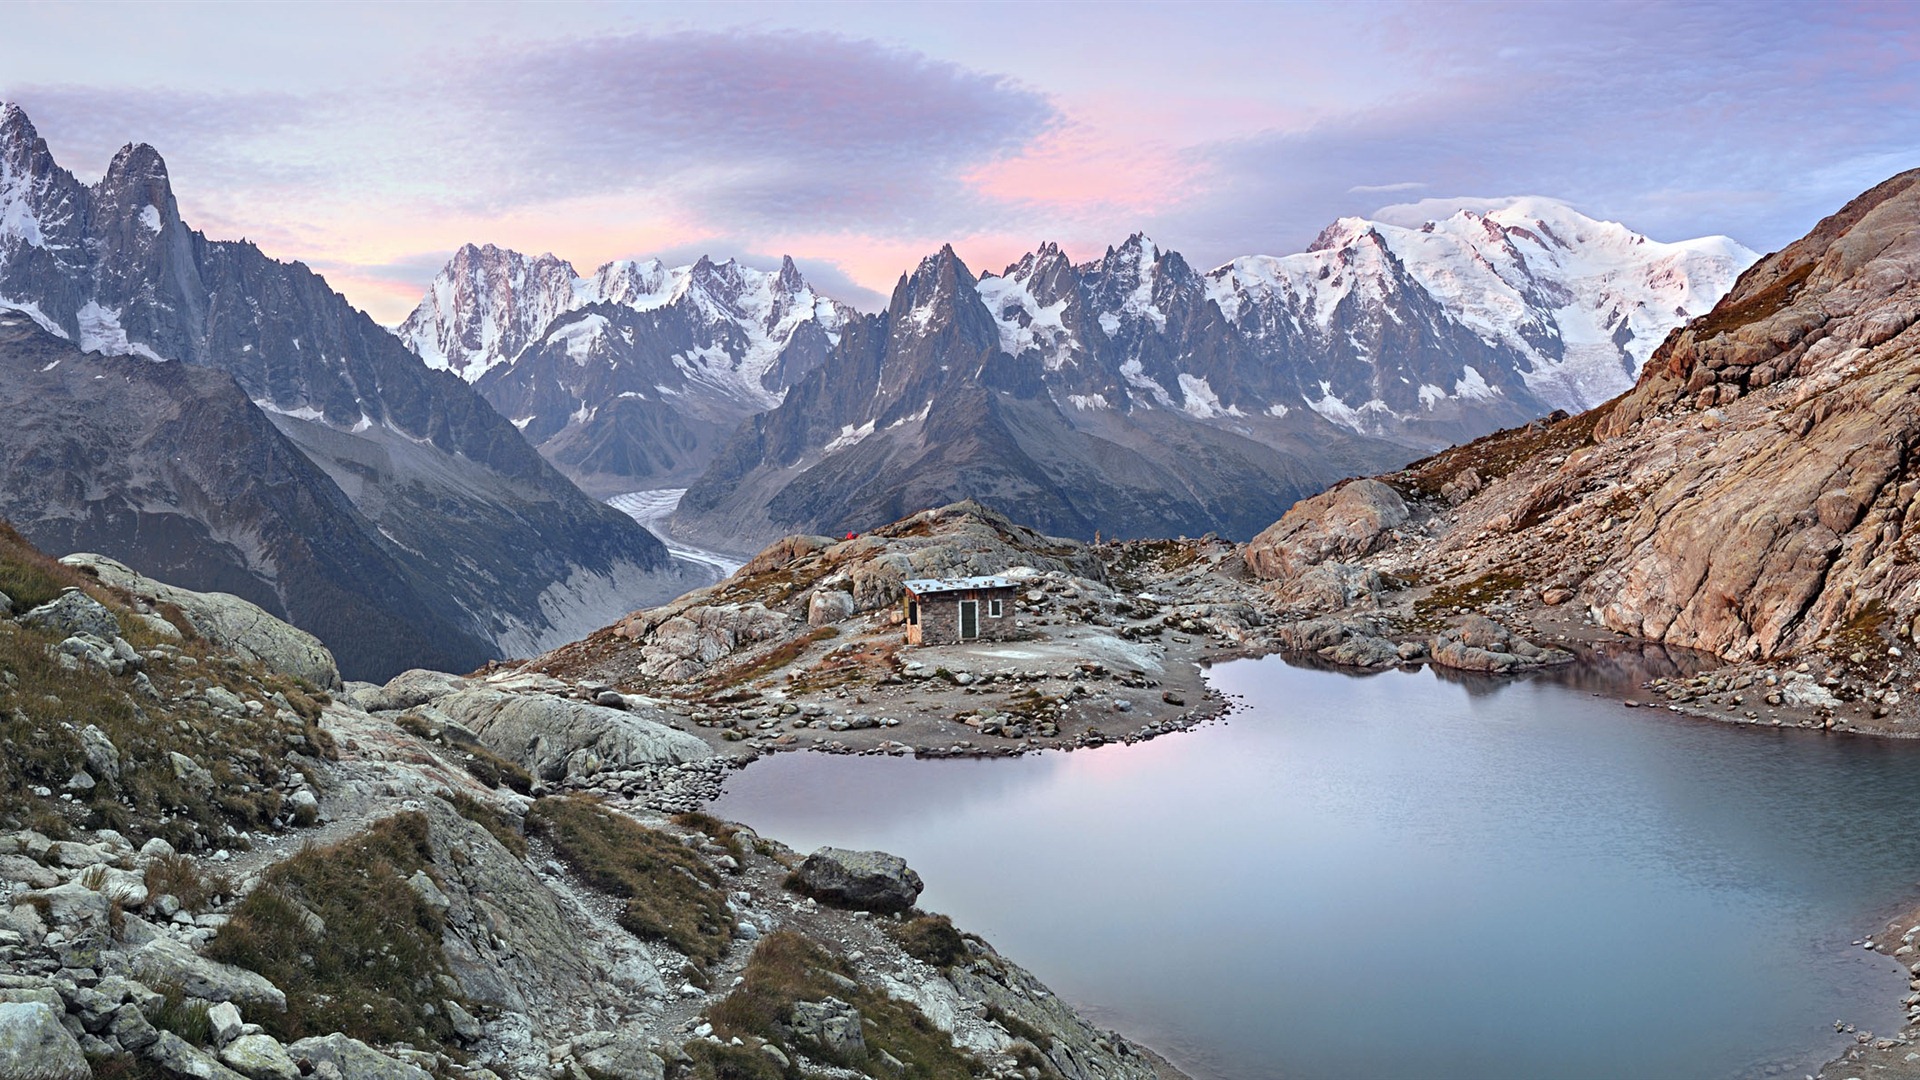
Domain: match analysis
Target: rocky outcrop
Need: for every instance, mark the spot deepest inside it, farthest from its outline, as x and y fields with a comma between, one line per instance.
x=1480, y=644
x=1752, y=496
x=227, y=620
x=866, y=880
x=555, y=738
x=74, y=612
x=1342, y=524
x=803, y=583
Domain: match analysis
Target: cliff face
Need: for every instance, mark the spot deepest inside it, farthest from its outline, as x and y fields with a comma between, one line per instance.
x=507, y=552
x=169, y=466
x=1753, y=495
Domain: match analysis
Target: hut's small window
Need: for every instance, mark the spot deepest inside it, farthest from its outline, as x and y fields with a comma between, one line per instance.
x=993, y=608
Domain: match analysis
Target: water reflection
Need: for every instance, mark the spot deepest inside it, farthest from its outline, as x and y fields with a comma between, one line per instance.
x=1402, y=875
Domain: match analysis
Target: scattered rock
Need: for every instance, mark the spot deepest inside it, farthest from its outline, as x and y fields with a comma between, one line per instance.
x=259, y=1057
x=1477, y=643
x=74, y=612
x=34, y=1045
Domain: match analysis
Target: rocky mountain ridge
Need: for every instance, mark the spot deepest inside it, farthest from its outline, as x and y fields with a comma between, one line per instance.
x=1426, y=334
x=1418, y=336
x=1749, y=497
x=919, y=406
x=170, y=466
x=629, y=378
x=514, y=555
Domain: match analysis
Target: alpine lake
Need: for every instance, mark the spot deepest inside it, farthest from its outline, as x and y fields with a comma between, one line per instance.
x=1412, y=875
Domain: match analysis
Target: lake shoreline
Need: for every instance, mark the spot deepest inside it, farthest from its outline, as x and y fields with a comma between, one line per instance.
x=1229, y=702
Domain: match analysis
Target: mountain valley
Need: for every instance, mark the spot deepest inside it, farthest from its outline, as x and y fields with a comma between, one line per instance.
x=503, y=550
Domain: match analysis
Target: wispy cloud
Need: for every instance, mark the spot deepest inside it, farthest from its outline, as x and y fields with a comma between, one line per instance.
x=752, y=128
x=857, y=155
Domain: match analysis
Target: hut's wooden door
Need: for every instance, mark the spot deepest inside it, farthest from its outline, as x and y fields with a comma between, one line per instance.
x=969, y=619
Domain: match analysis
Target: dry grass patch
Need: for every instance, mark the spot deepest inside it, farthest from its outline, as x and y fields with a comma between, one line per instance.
x=490, y=819
x=931, y=939
x=353, y=945
x=671, y=894
x=786, y=968
x=773, y=660
x=185, y=880
x=1431, y=611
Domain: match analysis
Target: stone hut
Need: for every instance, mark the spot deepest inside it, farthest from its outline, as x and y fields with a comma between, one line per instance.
x=945, y=611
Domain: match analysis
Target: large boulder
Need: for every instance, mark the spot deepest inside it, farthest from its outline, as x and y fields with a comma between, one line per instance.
x=34, y=1045
x=259, y=1057
x=227, y=620
x=621, y=1055
x=178, y=1057
x=410, y=689
x=555, y=737
x=355, y=1059
x=833, y=1025
x=829, y=606
x=166, y=962
x=1346, y=523
x=74, y=612
x=867, y=880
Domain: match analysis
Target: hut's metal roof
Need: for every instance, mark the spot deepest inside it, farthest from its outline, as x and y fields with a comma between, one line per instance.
x=924, y=586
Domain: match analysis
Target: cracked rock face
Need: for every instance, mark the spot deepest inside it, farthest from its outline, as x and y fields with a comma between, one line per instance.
x=1752, y=496
x=1343, y=524
x=1772, y=526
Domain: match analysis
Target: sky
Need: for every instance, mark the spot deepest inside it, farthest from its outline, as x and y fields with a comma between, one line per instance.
x=371, y=140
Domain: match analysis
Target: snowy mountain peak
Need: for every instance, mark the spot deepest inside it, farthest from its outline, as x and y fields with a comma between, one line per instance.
x=18, y=136
x=1493, y=313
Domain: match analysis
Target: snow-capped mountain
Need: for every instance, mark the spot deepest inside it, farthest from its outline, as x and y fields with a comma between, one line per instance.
x=923, y=404
x=1133, y=393
x=1429, y=334
x=631, y=377
x=495, y=542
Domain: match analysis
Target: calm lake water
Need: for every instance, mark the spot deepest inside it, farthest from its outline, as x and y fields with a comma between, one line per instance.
x=1405, y=876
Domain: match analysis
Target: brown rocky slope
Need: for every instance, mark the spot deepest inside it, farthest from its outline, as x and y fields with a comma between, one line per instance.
x=1751, y=497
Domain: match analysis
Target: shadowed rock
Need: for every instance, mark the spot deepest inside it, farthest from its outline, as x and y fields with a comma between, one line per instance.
x=866, y=880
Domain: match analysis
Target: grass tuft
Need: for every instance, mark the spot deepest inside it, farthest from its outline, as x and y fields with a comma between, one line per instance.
x=786, y=968
x=671, y=894
x=491, y=820
x=353, y=945
x=931, y=939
